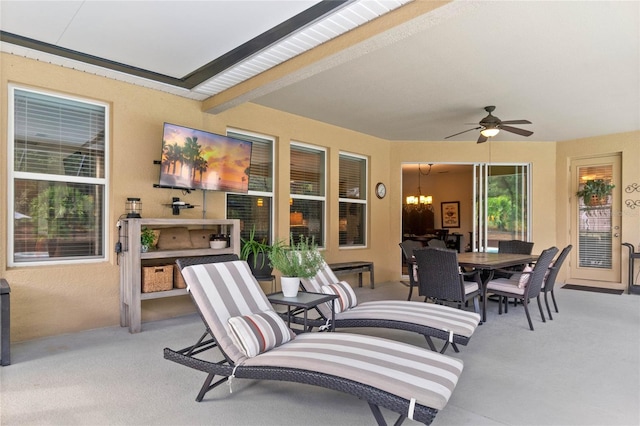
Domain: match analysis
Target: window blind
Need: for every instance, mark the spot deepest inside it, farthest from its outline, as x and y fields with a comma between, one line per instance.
x=352, y=177
x=595, y=233
x=58, y=177
x=58, y=136
x=261, y=171
x=307, y=171
x=307, y=203
x=352, y=200
x=255, y=209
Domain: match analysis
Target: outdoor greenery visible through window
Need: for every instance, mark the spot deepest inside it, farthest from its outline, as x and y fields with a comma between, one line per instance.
x=507, y=203
x=307, y=188
x=353, y=200
x=58, y=179
x=255, y=209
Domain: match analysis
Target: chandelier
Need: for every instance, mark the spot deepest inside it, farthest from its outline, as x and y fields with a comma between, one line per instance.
x=420, y=200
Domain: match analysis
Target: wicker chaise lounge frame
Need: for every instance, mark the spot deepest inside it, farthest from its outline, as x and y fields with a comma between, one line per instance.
x=438, y=329
x=225, y=368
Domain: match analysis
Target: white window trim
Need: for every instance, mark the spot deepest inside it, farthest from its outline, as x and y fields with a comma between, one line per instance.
x=322, y=198
x=358, y=201
x=12, y=176
x=272, y=193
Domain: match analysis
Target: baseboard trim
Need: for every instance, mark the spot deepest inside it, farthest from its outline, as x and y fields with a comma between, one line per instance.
x=592, y=289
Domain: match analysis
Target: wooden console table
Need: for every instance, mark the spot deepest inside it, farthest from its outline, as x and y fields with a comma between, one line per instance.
x=133, y=260
x=354, y=267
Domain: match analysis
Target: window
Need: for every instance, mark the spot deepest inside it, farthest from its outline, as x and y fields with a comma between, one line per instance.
x=255, y=209
x=502, y=204
x=57, y=178
x=595, y=232
x=353, y=200
x=307, y=188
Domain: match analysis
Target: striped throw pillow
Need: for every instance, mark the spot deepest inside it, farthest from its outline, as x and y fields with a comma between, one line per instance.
x=524, y=277
x=258, y=333
x=346, y=297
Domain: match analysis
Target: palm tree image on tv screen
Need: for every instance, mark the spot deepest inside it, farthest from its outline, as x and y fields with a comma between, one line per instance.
x=195, y=159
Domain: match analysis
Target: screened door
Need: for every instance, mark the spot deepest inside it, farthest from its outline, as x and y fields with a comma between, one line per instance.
x=595, y=229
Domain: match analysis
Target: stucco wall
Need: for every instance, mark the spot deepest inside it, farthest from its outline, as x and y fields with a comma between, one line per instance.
x=542, y=156
x=48, y=300
x=628, y=145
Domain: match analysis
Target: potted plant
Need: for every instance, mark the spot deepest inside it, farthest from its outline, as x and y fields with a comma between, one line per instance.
x=298, y=260
x=256, y=253
x=147, y=237
x=595, y=192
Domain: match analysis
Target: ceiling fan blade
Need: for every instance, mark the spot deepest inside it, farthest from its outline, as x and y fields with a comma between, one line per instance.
x=475, y=128
x=515, y=130
x=516, y=122
x=482, y=138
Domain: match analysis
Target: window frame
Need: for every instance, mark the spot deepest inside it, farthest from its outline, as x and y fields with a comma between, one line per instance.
x=13, y=175
x=237, y=133
x=364, y=201
x=321, y=198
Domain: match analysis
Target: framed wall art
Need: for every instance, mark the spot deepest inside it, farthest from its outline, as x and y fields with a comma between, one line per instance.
x=450, y=213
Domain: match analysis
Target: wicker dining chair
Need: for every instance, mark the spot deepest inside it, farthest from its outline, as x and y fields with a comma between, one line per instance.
x=440, y=278
x=437, y=243
x=408, y=247
x=550, y=279
x=524, y=286
x=515, y=247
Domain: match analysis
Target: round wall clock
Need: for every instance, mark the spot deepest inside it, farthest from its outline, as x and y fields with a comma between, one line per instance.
x=381, y=190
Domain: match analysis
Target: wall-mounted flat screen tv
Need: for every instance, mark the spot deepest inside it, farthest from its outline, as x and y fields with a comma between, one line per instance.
x=195, y=159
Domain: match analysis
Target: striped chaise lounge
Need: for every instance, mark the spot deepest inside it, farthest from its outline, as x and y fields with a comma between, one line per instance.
x=409, y=380
x=429, y=319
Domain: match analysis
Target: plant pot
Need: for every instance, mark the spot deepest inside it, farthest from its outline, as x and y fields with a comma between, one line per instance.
x=290, y=286
x=595, y=200
x=262, y=268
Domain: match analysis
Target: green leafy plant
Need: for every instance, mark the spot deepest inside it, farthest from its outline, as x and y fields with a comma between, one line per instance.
x=147, y=236
x=595, y=191
x=301, y=259
x=253, y=247
x=64, y=209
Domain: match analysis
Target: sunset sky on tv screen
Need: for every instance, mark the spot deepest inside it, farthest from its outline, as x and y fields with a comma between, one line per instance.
x=201, y=160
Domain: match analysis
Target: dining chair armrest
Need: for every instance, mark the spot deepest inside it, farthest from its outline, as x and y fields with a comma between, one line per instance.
x=475, y=274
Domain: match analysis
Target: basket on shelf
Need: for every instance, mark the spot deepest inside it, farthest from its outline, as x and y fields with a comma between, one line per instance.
x=157, y=278
x=178, y=281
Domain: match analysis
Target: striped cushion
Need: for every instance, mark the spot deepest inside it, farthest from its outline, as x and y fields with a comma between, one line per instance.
x=524, y=276
x=462, y=323
x=398, y=368
x=440, y=317
x=258, y=333
x=226, y=290
x=221, y=291
x=346, y=297
x=324, y=276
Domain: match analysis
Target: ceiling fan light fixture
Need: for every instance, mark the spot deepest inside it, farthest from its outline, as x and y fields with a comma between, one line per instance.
x=489, y=132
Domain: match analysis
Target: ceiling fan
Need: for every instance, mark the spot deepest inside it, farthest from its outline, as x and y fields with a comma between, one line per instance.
x=491, y=126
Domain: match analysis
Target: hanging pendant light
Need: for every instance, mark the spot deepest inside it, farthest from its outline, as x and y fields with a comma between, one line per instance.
x=419, y=199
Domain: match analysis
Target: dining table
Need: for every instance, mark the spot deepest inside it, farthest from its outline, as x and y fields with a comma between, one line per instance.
x=489, y=262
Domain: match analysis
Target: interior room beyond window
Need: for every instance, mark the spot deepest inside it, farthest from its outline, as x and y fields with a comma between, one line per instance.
x=353, y=200
x=307, y=188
